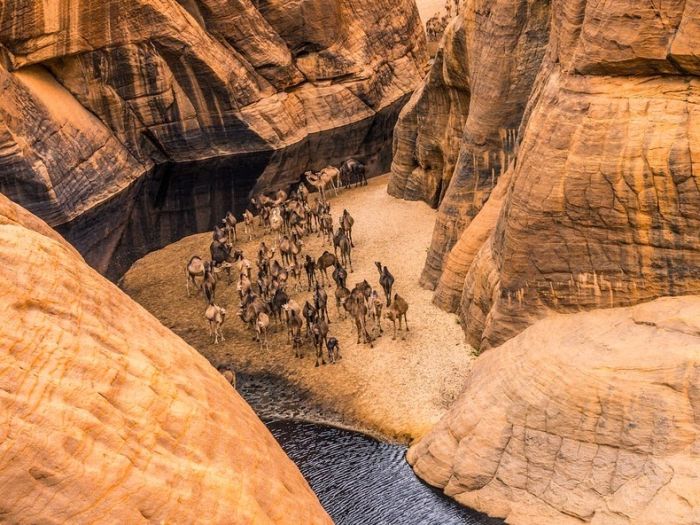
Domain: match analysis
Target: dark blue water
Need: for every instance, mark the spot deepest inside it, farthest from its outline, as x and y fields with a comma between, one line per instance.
x=362, y=481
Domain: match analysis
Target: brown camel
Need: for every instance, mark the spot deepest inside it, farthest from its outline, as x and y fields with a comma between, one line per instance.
x=327, y=260
x=397, y=311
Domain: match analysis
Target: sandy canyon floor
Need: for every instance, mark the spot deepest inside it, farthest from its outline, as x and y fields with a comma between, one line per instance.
x=398, y=389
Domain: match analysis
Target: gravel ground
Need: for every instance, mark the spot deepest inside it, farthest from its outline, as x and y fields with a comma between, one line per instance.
x=396, y=390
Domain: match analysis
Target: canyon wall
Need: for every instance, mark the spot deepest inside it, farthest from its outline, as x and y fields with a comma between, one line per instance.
x=561, y=142
x=110, y=417
x=100, y=96
x=582, y=418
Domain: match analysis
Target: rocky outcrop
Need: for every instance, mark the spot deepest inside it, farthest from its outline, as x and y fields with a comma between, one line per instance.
x=582, y=418
x=458, y=132
x=110, y=417
x=602, y=206
x=153, y=84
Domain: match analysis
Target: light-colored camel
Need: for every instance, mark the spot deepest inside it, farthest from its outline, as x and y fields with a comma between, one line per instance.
x=215, y=315
x=276, y=221
x=261, y=326
x=329, y=176
x=248, y=219
x=193, y=271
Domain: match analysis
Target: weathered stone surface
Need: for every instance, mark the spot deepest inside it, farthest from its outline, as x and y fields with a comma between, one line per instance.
x=458, y=133
x=163, y=82
x=590, y=417
x=110, y=417
x=603, y=207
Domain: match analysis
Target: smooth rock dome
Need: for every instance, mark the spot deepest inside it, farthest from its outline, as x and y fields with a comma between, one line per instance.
x=108, y=416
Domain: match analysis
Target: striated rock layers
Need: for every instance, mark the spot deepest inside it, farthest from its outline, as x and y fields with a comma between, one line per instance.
x=587, y=118
x=98, y=96
x=584, y=418
x=110, y=417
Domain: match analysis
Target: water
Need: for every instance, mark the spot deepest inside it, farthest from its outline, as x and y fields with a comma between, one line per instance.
x=362, y=481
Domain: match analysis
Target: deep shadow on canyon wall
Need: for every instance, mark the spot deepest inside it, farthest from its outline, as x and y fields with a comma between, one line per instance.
x=175, y=200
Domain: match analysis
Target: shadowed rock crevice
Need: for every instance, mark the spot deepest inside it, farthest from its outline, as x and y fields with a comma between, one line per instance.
x=137, y=85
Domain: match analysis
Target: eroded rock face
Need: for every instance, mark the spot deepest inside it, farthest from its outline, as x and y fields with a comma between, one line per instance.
x=458, y=133
x=590, y=417
x=161, y=82
x=110, y=417
x=602, y=206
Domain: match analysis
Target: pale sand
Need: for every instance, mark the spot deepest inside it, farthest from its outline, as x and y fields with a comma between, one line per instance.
x=400, y=388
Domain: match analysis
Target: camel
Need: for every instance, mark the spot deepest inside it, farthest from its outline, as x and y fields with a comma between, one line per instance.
x=315, y=181
x=193, y=270
x=280, y=197
x=264, y=284
x=295, y=271
x=292, y=310
x=276, y=221
x=230, y=377
x=209, y=283
x=248, y=219
x=397, y=311
x=244, y=285
x=327, y=176
x=303, y=192
x=294, y=326
x=296, y=246
x=286, y=249
x=356, y=307
x=386, y=280
x=326, y=228
x=319, y=330
x=219, y=235
x=340, y=275
x=341, y=295
x=276, y=304
x=341, y=241
x=346, y=223
x=351, y=170
x=215, y=315
x=331, y=175
x=310, y=267
x=310, y=315
x=333, y=347
x=321, y=303
x=250, y=309
x=324, y=262
x=230, y=222
x=375, y=310
x=261, y=326
x=243, y=265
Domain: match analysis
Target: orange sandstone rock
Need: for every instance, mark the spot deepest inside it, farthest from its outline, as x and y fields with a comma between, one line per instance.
x=582, y=418
x=108, y=416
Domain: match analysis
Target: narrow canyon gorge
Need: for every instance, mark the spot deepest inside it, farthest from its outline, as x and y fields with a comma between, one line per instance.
x=534, y=188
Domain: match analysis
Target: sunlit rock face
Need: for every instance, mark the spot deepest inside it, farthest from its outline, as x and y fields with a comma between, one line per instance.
x=590, y=117
x=105, y=93
x=582, y=418
x=110, y=417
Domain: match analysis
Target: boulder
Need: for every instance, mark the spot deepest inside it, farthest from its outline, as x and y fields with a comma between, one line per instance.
x=108, y=416
x=581, y=418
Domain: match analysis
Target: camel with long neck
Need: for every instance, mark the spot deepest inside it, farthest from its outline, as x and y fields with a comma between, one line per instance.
x=328, y=176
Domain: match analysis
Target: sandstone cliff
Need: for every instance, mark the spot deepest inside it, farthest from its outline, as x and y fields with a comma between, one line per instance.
x=110, y=417
x=582, y=418
x=95, y=94
x=591, y=113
